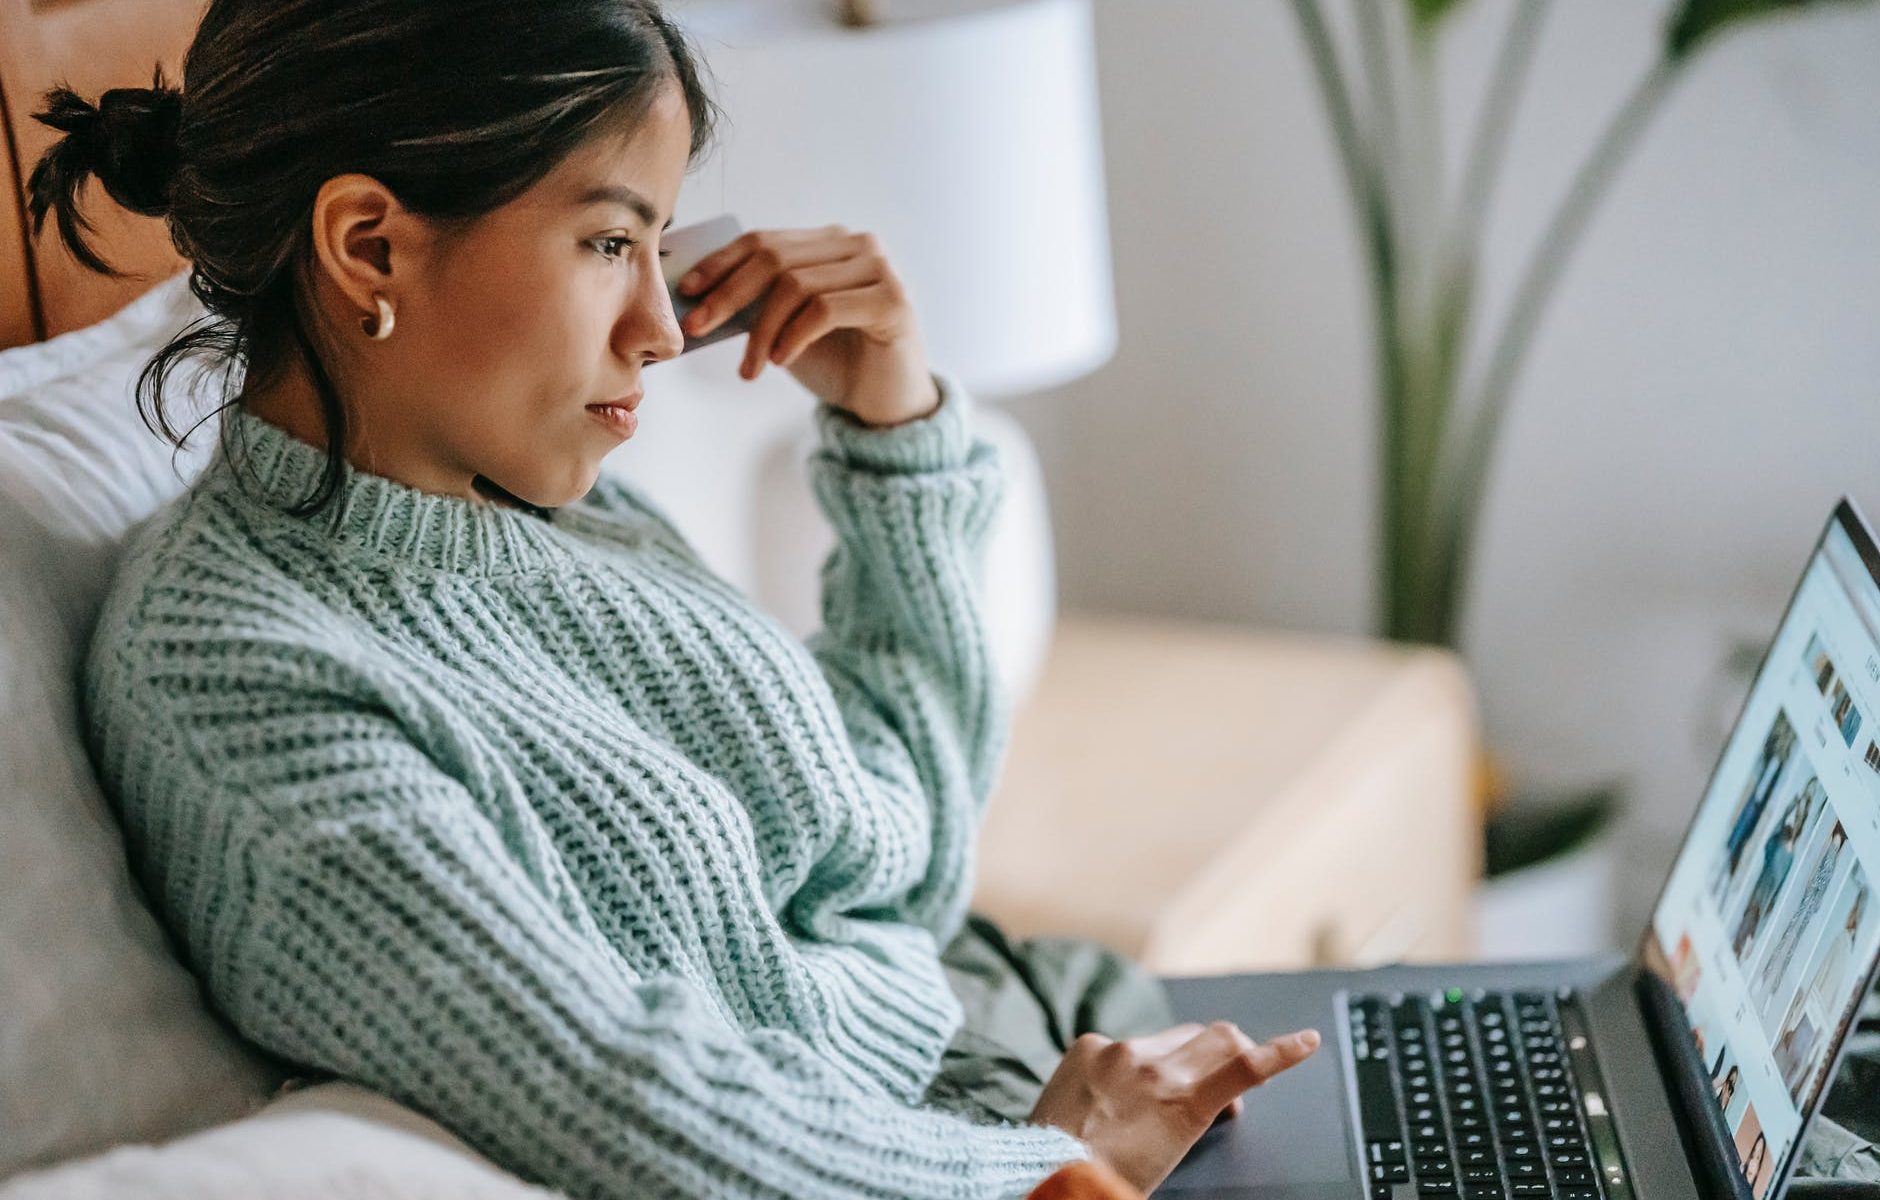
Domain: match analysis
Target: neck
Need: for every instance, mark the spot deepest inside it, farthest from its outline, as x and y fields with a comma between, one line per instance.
x=376, y=446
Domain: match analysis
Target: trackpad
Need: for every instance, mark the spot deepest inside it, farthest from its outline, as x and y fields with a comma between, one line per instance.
x=1294, y=1130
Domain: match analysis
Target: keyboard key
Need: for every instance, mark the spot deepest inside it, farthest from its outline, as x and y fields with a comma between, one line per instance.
x=1377, y=1108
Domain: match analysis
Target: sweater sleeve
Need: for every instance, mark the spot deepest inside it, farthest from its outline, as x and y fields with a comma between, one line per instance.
x=371, y=920
x=904, y=643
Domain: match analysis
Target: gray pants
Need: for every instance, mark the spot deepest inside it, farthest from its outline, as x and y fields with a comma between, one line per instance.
x=1027, y=1001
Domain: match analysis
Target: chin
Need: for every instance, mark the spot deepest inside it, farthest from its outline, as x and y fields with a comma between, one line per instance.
x=573, y=489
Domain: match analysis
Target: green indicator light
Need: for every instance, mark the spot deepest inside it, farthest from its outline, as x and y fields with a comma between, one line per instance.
x=1454, y=995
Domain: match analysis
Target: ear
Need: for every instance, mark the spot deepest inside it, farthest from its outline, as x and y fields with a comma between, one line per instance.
x=362, y=238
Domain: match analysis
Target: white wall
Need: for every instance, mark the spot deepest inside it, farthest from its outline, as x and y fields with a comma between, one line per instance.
x=1706, y=384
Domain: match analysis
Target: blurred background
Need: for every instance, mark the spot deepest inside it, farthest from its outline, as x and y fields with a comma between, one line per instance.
x=1705, y=386
x=1702, y=384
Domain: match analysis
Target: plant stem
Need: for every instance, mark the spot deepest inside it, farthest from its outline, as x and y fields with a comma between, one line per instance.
x=1337, y=96
x=1468, y=476
x=1424, y=394
x=1451, y=304
x=1374, y=224
x=1483, y=166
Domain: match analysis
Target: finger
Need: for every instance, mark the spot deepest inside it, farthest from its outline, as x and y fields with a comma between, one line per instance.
x=1167, y=1039
x=1270, y=1057
x=748, y=266
x=708, y=270
x=854, y=307
x=1225, y=1062
x=794, y=289
x=752, y=278
x=1234, y=1108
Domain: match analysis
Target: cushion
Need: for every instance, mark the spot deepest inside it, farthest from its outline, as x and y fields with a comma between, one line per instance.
x=332, y=1140
x=106, y=1036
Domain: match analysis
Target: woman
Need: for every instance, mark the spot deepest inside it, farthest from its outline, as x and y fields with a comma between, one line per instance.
x=450, y=765
x=1775, y=967
x=1769, y=767
x=1756, y=1166
x=1726, y=1091
x=1778, y=859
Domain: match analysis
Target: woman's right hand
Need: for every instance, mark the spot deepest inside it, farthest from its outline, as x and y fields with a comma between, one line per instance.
x=1141, y=1103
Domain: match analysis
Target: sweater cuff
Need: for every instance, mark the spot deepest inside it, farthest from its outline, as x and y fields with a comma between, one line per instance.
x=936, y=442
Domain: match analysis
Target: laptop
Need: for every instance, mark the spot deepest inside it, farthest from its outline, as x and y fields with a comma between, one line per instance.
x=1690, y=1068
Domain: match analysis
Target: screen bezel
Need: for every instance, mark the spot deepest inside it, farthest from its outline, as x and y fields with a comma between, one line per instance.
x=1849, y=519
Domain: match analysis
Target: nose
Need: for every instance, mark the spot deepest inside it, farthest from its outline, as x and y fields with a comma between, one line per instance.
x=649, y=329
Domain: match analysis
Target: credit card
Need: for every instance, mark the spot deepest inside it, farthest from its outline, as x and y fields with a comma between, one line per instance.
x=687, y=246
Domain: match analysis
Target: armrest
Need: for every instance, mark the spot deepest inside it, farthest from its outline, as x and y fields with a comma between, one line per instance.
x=1207, y=798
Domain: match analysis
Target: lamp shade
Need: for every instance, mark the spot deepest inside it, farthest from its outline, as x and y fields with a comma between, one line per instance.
x=964, y=134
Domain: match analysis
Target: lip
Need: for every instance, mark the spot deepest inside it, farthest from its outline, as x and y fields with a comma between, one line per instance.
x=617, y=418
x=630, y=401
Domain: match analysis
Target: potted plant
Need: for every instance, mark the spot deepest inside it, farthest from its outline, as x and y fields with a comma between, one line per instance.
x=1446, y=374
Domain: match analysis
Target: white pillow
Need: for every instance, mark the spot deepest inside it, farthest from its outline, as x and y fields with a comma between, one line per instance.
x=319, y=1143
x=104, y=1035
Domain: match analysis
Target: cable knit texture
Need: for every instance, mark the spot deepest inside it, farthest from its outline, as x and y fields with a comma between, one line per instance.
x=536, y=824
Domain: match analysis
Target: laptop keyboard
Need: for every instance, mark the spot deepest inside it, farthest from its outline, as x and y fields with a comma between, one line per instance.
x=1472, y=1096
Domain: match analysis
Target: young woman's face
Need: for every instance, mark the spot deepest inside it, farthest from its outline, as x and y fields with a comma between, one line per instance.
x=508, y=332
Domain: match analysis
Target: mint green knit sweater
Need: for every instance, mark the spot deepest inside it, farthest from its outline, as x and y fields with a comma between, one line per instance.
x=540, y=827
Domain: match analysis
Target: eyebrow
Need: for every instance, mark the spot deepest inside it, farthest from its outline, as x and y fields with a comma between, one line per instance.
x=620, y=194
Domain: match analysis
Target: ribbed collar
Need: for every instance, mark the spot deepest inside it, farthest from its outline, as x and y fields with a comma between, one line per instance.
x=378, y=515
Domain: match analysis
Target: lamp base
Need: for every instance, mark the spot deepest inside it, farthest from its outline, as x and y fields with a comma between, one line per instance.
x=791, y=539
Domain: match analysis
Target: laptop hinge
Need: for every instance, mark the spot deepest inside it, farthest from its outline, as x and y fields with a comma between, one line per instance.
x=1706, y=1137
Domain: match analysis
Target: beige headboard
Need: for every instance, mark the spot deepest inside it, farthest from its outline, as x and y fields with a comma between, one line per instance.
x=90, y=45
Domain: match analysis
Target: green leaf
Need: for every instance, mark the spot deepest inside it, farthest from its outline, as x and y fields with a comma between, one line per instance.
x=1696, y=20
x=1429, y=12
x=1534, y=830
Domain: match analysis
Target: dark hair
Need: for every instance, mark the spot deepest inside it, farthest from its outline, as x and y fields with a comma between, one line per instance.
x=457, y=108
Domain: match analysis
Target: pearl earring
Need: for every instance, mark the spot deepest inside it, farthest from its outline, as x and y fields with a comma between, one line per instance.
x=384, y=328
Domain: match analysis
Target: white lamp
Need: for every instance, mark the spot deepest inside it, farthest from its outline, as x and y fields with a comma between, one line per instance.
x=965, y=135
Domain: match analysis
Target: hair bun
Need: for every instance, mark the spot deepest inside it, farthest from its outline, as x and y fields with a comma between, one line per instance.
x=128, y=140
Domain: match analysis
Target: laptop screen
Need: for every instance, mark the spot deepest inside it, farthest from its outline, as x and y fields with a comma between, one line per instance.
x=1768, y=928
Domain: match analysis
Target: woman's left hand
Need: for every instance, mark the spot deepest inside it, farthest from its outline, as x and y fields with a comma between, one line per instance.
x=836, y=316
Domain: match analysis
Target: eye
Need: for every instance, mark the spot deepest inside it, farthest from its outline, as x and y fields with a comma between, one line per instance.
x=614, y=256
